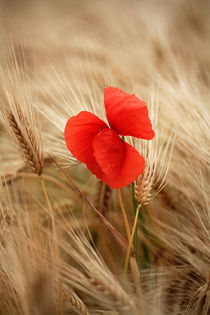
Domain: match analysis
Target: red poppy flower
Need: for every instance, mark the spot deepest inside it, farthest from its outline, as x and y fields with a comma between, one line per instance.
x=93, y=142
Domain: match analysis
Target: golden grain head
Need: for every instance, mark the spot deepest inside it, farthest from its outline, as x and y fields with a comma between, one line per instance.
x=20, y=118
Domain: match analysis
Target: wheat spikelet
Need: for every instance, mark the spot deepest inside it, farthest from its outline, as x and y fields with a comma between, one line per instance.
x=91, y=276
x=200, y=302
x=35, y=162
x=19, y=116
x=157, y=154
x=73, y=302
x=120, y=300
x=77, y=305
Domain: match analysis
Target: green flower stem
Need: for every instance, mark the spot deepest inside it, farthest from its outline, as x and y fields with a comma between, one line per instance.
x=146, y=256
x=130, y=244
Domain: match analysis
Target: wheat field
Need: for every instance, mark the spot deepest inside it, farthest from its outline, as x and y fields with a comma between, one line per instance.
x=63, y=239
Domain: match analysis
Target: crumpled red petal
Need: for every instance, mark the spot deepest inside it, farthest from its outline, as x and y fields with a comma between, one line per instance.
x=118, y=160
x=127, y=114
x=79, y=133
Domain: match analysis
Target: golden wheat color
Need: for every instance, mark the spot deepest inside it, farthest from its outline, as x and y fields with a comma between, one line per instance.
x=64, y=234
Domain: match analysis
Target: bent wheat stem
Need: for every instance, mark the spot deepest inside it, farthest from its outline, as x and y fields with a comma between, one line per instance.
x=130, y=243
x=119, y=238
x=136, y=229
x=49, y=178
x=124, y=215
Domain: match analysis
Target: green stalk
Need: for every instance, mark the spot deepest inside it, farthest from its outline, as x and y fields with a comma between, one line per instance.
x=130, y=244
x=146, y=256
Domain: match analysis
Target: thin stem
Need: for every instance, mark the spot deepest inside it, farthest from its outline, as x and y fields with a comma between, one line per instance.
x=50, y=179
x=102, y=193
x=146, y=256
x=121, y=240
x=136, y=229
x=124, y=215
x=55, y=242
x=130, y=243
x=51, y=214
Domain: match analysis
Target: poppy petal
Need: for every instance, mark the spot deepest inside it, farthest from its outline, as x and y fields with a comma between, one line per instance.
x=127, y=114
x=118, y=160
x=79, y=133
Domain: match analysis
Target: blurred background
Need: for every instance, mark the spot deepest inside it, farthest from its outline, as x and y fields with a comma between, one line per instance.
x=133, y=36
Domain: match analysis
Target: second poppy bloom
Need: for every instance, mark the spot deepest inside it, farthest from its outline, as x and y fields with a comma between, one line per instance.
x=100, y=147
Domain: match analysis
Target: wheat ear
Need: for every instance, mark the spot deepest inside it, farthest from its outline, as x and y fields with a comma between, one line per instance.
x=74, y=303
x=32, y=160
x=120, y=299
